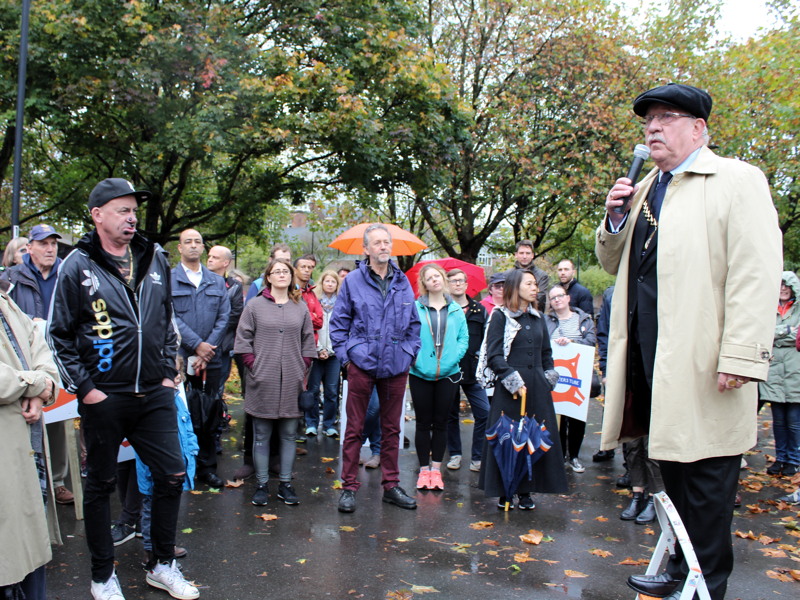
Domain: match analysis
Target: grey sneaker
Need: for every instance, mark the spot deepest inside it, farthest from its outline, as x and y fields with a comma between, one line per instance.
x=110, y=590
x=793, y=498
x=261, y=495
x=121, y=533
x=576, y=465
x=475, y=466
x=287, y=494
x=167, y=576
x=455, y=462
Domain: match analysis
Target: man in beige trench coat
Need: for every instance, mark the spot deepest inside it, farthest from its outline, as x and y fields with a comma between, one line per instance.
x=698, y=264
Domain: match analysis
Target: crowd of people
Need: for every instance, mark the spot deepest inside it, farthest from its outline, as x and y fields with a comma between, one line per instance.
x=147, y=351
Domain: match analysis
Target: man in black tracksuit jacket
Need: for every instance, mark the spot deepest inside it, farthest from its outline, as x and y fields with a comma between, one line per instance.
x=114, y=341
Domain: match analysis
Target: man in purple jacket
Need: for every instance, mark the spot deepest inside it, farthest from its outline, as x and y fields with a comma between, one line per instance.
x=374, y=329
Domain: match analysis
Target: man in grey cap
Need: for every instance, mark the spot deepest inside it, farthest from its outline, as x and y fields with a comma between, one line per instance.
x=32, y=285
x=495, y=288
x=114, y=341
x=697, y=256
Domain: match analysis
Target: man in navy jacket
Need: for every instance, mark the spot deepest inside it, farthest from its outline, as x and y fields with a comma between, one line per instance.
x=374, y=329
x=202, y=306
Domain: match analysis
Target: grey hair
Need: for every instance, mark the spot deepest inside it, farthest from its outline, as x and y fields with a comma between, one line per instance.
x=374, y=227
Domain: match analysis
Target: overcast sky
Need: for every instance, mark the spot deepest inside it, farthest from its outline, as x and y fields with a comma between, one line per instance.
x=740, y=18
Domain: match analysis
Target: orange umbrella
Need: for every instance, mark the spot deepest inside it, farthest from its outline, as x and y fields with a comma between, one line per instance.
x=404, y=243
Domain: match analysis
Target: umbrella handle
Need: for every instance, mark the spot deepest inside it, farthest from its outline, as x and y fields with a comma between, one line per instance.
x=524, y=396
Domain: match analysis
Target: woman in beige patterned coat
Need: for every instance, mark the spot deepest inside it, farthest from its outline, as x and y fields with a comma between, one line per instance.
x=276, y=341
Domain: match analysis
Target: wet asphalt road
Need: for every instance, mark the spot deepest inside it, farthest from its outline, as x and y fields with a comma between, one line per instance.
x=381, y=551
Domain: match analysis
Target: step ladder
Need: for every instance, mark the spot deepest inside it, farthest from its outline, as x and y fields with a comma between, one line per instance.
x=672, y=530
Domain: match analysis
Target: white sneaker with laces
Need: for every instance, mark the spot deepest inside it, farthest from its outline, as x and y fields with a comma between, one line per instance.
x=454, y=463
x=475, y=466
x=576, y=465
x=110, y=590
x=169, y=577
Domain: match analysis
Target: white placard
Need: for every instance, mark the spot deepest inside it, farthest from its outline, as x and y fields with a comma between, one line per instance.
x=574, y=363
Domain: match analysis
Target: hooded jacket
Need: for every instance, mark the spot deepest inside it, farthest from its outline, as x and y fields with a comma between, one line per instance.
x=25, y=290
x=586, y=324
x=380, y=335
x=430, y=364
x=106, y=335
x=783, y=382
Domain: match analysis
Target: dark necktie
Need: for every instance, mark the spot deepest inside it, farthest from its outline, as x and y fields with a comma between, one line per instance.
x=658, y=195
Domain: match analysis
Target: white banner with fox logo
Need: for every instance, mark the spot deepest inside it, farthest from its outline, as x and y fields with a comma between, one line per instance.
x=574, y=363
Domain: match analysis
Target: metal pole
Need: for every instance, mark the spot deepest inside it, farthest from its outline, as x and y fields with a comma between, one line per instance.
x=21, y=78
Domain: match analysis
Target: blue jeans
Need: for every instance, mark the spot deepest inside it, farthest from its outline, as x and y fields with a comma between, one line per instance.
x=372, y=423
x=786, y=427
x=479, y=403
x=325, y=372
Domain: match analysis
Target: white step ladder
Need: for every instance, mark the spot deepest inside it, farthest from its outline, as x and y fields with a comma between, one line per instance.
x=672, y=530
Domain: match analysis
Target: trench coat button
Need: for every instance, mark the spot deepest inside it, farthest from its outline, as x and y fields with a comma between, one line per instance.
x=280, y=330
x=640, y=278
x=527, y=326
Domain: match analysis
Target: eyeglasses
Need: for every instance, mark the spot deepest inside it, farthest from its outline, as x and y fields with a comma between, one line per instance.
x=457, y=281
x=664, y=118
x=281, y=272
x=559, y=297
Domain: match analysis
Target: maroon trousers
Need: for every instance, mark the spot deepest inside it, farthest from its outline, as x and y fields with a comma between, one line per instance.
x=391, y=393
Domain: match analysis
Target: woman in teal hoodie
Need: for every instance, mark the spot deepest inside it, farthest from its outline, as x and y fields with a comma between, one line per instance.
x=435, y=373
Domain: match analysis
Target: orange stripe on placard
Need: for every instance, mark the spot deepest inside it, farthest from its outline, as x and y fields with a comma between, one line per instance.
x=62, y=399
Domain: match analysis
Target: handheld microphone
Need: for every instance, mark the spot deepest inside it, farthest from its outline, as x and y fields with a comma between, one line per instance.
x=640, y=154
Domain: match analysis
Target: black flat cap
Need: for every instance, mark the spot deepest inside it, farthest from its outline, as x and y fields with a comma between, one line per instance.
x=114, y=187
x=693, y=100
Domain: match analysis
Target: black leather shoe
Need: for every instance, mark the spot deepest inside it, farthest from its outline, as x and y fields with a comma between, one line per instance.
x=648, y=514
x=398, y=497
x=212, y=480
x=603, y=455
x=659, y=586
x=789, y=470
x=347, y=501
x=634, y=508
x=624, y=481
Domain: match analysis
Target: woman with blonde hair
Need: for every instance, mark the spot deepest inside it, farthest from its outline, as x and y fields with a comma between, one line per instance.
x=276, y=341
x=435, y=374
x=14, y=251
x=325, y=369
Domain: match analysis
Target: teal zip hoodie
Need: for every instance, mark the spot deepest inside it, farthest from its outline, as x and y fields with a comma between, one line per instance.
x=429, y=364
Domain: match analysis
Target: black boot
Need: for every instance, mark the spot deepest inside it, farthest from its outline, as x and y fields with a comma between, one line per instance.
x=648, y=514
x=634, y=508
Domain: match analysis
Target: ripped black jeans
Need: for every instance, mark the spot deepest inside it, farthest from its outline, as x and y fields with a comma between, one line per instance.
x=150, y=424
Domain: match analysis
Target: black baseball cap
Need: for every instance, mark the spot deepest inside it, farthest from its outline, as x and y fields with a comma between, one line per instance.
x=115, y=187
x=693, y=100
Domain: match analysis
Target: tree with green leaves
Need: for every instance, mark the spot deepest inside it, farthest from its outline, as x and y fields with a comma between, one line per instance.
x=223, y=107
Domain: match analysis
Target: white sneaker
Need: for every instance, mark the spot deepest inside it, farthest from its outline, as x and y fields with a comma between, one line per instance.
x=454, y=463
x=169, y=577
x=109, y=590
x=475, y=466
x=576, y=465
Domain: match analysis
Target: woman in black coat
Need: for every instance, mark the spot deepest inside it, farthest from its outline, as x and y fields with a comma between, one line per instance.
x=528, y=366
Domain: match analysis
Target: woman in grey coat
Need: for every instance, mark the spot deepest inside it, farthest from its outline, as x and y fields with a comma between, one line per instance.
x=276, y=341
